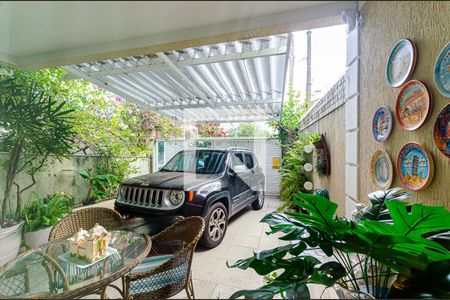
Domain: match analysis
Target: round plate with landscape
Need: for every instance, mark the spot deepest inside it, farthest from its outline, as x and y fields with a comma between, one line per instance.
x=413, y=105
x=442, y=131
x=381, y=169
x=382, y=124
x=442, y=71
x=415, y=166
x=401, y=62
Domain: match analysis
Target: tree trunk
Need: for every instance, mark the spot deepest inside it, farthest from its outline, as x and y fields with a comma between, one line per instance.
x=13, y=164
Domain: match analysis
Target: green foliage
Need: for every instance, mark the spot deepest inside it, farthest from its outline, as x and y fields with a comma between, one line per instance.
x=101, y=186
x=293, y=174
x=292, y=112
x=46, y=212
x=247, y=130
x=35, y=122
x=321, y=165
x=382, y=249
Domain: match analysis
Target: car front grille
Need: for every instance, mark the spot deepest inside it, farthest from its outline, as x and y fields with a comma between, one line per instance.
x=133, y=195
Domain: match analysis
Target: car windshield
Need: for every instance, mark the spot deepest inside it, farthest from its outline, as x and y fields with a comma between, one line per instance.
x=200, y=162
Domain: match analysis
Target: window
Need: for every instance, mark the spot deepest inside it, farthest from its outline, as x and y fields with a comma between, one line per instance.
x=237, y=159
x=249, y=161
x=200, y=162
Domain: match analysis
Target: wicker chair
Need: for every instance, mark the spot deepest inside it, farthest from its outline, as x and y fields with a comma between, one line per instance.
x=86, y=219
x=167, y=269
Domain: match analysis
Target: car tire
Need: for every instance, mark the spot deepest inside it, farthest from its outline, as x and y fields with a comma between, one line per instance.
x=259, y=202
x=216, y=222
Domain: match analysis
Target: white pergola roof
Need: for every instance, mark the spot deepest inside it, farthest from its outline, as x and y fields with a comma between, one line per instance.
x=226, y=82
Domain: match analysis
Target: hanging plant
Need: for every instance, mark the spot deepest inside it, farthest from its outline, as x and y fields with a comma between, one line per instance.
x=321, y=165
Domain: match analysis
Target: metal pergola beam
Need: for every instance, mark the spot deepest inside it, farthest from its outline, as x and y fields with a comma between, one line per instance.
x=183, y=77
x=193, y=62
x=237, y=120
x=104, y=84
x=223, y=104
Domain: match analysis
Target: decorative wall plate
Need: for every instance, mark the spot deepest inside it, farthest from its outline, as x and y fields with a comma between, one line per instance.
x=413, y=105
x=381, y=169
x=382, y=124
x=401, y=62
x=442, y=131
x=415, y=166
x=442, y=71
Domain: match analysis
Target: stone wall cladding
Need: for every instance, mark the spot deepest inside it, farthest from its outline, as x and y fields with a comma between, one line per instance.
x=333, y=99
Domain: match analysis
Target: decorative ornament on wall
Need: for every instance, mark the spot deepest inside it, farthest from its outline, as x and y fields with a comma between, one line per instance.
x=415, y=166
x=442, y=71
x=413, y=105
x=442, y=131
x=381, y=169
x=323, y=157
x=401, y=62
x=308, y=185
x=382, y=124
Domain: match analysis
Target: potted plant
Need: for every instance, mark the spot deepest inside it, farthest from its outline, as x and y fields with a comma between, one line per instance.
x=44, y=128
x=40, y=216
x=365, y=255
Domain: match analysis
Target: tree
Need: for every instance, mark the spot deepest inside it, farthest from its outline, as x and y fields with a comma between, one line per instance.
x=247, y=130
x=211, y=130
x=34, y=124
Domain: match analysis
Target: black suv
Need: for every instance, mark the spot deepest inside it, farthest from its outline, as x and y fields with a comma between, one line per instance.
x=214, y=184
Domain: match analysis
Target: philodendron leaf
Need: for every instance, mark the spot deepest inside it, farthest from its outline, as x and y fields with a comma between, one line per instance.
x=378, y=210
x=293, y=290
x=413, y=226
x=321, y=211
x=328, y=273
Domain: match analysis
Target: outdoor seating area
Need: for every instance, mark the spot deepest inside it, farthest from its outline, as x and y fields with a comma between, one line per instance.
x=224, y=150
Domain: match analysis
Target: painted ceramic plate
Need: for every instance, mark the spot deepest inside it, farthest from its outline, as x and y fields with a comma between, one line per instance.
x=442, y=131
x=413, y=105
x=381, y=169
x=401, y=62
x=442, y=71
x=382, y=124
x=415, y=166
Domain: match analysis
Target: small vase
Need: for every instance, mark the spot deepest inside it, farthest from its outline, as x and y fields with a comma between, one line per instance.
x=35, y=239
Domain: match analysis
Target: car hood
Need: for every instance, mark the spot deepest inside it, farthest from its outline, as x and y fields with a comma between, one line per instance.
x=171, y=180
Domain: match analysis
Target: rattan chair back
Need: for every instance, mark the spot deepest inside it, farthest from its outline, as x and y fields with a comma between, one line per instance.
x=174, y=275
x=85, y=218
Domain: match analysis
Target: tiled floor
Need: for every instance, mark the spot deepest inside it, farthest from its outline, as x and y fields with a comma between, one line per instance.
x=212, y=278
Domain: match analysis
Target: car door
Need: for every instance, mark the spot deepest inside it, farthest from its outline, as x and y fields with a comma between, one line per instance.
x=252, y=178
x=237, y=178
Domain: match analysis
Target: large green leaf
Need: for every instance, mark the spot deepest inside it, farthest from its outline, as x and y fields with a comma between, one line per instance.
x=413, y=226
x=378, y=210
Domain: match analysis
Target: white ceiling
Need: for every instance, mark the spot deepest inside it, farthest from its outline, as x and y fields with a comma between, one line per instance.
x=42, y=33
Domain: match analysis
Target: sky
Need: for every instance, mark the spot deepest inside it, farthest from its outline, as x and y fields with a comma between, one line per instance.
x=328, y=51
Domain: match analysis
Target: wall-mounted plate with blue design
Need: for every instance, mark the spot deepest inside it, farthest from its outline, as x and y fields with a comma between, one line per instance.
x=401, y=62
x=382, y=124
x=381, y=169
x=442, y=71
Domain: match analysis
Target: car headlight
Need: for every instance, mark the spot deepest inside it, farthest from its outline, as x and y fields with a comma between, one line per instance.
x=176, y=197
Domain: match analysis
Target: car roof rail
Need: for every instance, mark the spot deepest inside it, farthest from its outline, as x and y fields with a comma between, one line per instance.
x=238, y=148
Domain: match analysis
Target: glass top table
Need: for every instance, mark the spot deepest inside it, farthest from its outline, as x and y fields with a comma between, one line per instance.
x=49, y=272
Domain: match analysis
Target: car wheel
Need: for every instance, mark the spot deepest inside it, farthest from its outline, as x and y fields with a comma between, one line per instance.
x=216, y=221
x=259, y=202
